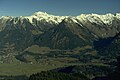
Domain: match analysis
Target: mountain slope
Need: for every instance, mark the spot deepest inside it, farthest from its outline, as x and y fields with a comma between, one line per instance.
x=60, y=37
x=110, y=46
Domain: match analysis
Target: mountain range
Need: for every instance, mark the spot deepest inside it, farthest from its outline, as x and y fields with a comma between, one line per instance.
x=19, y=34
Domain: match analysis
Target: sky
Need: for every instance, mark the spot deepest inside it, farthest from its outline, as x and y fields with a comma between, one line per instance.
x=58, y=7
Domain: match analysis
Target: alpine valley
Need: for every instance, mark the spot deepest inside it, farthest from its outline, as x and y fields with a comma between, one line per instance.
x=88, y=44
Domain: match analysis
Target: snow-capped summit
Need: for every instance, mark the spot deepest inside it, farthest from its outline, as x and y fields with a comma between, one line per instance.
x=40, y=13
x=118, y=15
x=46, y=17
x=98, y=19
x=5, y=18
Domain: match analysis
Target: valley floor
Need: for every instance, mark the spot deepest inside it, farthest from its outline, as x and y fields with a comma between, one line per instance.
x=28, y=69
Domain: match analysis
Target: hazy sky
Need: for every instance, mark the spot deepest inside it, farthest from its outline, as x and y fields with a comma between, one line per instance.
x=58, y=7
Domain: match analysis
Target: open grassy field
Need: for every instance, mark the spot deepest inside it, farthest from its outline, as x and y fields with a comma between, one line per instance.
x=25, y=69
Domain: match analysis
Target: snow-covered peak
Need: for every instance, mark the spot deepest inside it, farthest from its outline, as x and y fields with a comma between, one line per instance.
x=40, y=13
x=46, y=17
x=98, y=19
x=118, y=15
x=5, y=18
